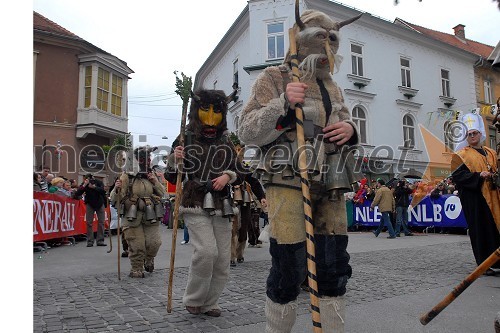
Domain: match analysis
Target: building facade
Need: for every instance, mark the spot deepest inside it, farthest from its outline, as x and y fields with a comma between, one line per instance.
x=80, y=103
x=401, y=86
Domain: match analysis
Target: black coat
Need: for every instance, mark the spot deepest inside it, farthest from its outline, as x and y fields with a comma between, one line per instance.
x=95, y=197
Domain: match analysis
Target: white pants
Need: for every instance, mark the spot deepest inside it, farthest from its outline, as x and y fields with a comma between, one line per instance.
x=209, y=271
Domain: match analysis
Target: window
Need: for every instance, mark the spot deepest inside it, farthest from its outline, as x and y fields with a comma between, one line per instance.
x=235, y=72
x=236, y=120
x=88, y=85
x=107, y=96
x=445, y=83
x=405, y=73
x=359, y=118
x=449, y=137
x=357, y=59
x=275, y=41
x=116, y=96
x=408, y=132
x=492, y=138
x=487, y=92
x=102, y=89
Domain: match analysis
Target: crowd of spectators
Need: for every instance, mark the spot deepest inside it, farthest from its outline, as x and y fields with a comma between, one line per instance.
x=406, y=192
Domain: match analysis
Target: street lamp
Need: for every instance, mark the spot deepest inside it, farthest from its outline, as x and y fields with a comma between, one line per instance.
x=164, y=137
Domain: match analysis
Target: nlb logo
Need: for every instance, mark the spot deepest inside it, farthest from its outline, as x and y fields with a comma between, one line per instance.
x=452, y=207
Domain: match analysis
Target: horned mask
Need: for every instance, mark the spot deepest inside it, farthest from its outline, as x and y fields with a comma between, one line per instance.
x=207, y=114
x=317, y=37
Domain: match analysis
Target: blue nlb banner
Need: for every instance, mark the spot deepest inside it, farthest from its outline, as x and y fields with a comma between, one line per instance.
x=445, y=211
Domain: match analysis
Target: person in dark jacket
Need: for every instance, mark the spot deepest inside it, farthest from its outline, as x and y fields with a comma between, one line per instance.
x=95, y=201
x=402, y=198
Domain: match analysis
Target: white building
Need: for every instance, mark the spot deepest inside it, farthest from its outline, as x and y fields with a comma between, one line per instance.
x=393, y=78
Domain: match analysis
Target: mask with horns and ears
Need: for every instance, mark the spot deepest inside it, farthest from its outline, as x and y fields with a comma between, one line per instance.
x=143, y=156
x=207, y=114
x=317, y=37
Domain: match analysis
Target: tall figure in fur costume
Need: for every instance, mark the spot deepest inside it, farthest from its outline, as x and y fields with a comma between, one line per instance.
x=206, y=203
x=267, y=121
x=141, y=194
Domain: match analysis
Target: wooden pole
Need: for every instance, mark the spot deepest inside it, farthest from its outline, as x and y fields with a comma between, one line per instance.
x=304, y=180
x=118, y=212
x=490, y=261
x=183, y=88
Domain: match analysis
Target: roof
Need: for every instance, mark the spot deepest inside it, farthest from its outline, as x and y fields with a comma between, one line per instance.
x=42, y=23
x=471, y=46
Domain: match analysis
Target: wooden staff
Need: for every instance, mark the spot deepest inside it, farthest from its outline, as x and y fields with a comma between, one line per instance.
x=118, y=211
x=490, y=261
x=110, y=242
x=183, y=89
x=304, y=180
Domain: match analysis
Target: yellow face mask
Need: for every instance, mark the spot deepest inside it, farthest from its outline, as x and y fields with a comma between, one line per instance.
x=208, y=116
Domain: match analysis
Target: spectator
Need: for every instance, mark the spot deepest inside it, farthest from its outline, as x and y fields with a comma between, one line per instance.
x=37, y=182
x=56, y=184
x=44, y=182
x=95, y=202
x=360, y=196
x=438, y=191
x=385, y=202
x=473, y=168
x=402, y=199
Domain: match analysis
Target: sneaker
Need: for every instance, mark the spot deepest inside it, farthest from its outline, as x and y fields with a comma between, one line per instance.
x=184, y=242
x=409, y=234
x=90, y=244
x=398, y=235
x=101, y=244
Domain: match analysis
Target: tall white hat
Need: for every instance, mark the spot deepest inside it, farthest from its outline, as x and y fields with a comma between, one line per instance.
x=471, y=121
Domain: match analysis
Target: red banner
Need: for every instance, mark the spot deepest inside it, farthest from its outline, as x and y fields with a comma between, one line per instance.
x=55, y=216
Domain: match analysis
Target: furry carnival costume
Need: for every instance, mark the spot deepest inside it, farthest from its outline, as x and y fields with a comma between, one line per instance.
x=141, y=195
x=206, y=203
x=267, y=121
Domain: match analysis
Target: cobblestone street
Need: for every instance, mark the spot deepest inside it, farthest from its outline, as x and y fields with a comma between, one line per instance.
x=102, y=303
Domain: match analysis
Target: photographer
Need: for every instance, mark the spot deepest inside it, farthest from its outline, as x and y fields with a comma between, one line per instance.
x=95, y=201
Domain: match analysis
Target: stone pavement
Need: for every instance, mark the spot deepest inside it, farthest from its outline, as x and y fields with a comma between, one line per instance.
x=76, y=289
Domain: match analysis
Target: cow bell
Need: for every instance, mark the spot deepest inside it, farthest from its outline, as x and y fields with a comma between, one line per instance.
x=227, y=208
x=150, y=213
x=246, y=198
x=208, y=204
x=336, y=179
x=132, y=212
x=159, y=210
x=237, y=197
x=122, y=209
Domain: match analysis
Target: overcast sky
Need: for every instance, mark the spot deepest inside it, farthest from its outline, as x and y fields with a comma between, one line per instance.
x=157, y=37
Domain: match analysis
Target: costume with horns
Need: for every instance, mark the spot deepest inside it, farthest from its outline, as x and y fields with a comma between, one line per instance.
x=267, y=121
x=209, y=155
x=142, y=207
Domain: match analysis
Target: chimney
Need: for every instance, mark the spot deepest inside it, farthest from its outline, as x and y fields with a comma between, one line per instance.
x=460, y=31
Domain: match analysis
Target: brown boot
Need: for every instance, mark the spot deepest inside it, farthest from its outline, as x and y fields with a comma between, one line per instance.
x=149, y=265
